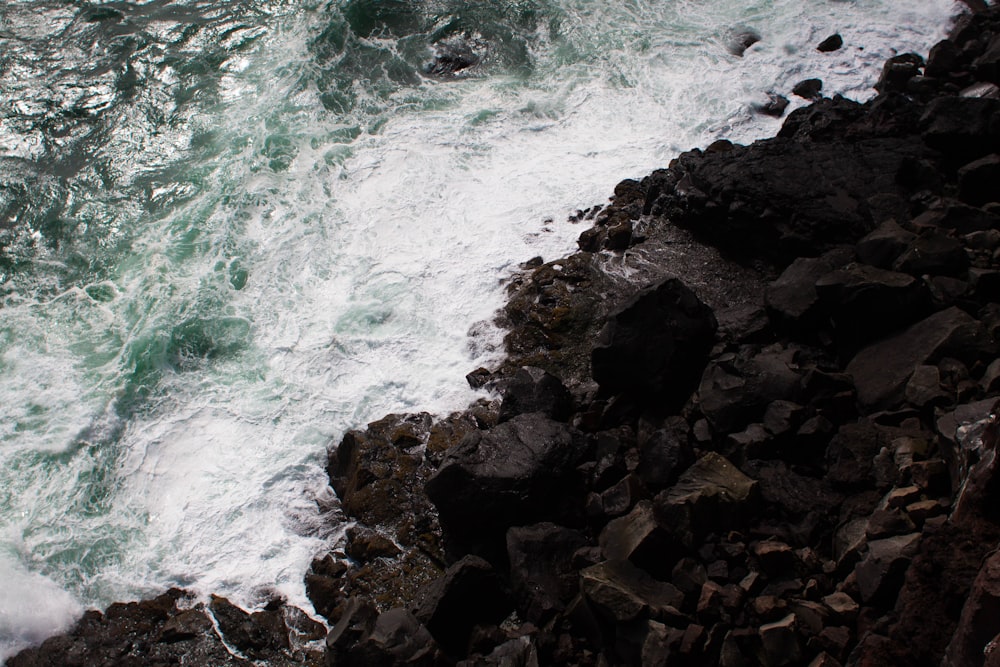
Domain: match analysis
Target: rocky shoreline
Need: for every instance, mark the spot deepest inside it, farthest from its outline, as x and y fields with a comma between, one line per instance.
x=753, y=421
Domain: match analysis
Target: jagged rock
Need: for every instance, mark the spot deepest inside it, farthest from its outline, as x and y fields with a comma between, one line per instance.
x=843, y=606
x=824, y=659
x=541, y=569
x=254, y=634
x=865, y=302
x=186, y=625
x=781, y=642
x=793, y=298
x=781, y=199
x=887, y=523
x=831, y=43
x=933, y=253
x=621, y=497
x=622, y=592
x=963, y=128
x=663, y=455
x=712, y=495
x=958, y=218
x=535, y=390
x=654, y=347
x=977, y=627
x=365, y=544
x=518, y=652
x=355, y=624
x=775, y=558
x=468, y=594
x=977, y=180
x=637, y=537
x=396, y=639
x=884, y=244
x=898, y=71
x=689, y=576
x=808, y=89
x=924, y=387
x=880, y=573
x=881, y=370
x=736, y=388
x=520, y=472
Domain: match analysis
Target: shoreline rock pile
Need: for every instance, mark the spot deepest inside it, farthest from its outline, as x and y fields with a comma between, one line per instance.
x=753, y=421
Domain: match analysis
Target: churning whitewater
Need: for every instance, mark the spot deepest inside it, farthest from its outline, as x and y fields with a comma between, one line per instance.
x=229, y=231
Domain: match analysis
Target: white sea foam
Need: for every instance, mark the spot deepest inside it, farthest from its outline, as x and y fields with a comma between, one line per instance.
x=368, y=260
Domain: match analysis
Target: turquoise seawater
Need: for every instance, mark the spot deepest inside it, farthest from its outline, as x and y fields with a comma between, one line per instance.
x=229, y=231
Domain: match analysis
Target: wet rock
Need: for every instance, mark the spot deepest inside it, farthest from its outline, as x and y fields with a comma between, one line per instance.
x=520, y=472
x=741, y=40
x=469, y=593
x=365, y=544
x=542, y=575
x=535, y=390
x=831, y=43
x=898, y=71
x=355, y=624
x=254, y=634
x=712, y=495
x=186, y=625
x=775, y=105
x=654, y=348
x=808, y=89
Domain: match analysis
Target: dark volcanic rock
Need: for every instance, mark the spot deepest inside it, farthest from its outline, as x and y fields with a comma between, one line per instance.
x=520, y=472
x=535, y=390
x=470, y=593
x=741, y=40
x=541, y=568
x=831, y=43
x=809, y=89
x=712, y=495
x=780, y=199
x=881, y=370
x=655, y=347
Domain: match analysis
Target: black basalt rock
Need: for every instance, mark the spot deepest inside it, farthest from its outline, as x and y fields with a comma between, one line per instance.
x=655, y=347
x=522, y=471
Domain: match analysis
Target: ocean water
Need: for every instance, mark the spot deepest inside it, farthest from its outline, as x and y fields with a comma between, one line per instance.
x=232, y=230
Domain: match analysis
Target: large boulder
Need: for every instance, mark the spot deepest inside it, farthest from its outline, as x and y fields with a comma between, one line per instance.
x=980, y=621
x=881, y=370
x=541, y=569
x=469, y=593
x=780, y=199
x=655, y=346
x=711, y=496
x=520, y=472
